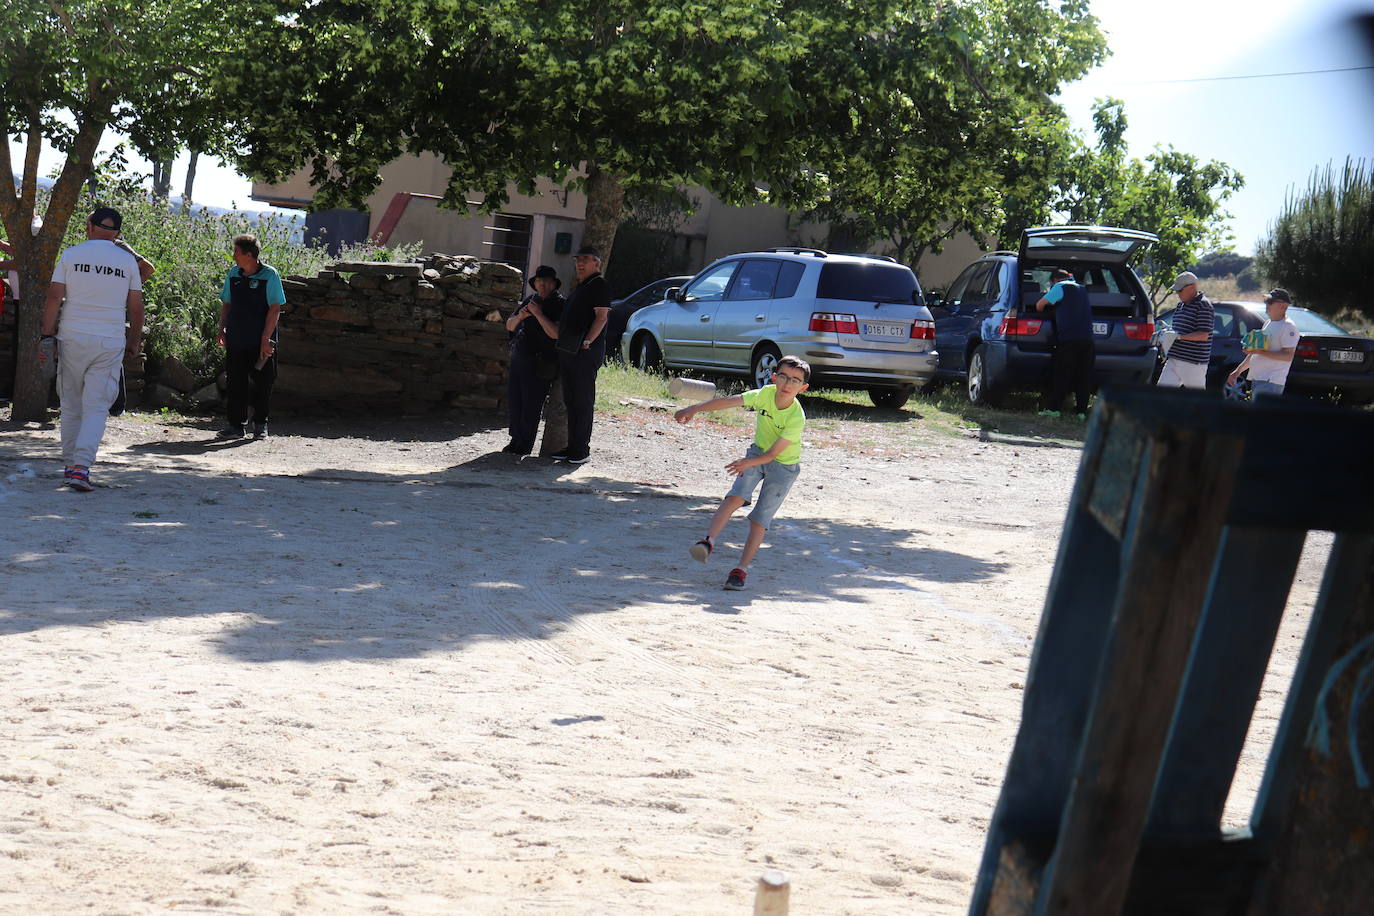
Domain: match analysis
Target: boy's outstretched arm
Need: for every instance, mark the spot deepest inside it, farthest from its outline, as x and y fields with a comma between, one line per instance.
x=685, y=414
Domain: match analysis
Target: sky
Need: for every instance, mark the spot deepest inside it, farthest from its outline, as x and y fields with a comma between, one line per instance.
x=1175, y=64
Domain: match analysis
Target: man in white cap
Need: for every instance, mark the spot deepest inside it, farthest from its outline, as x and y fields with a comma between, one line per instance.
x=1186, y=366
x=95, y=287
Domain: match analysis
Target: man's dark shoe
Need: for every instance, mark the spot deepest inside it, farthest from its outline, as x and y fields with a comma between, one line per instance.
x=560, y=455
x=736, y=580
x=232, y=431
x=579, y=459
x=259, y=430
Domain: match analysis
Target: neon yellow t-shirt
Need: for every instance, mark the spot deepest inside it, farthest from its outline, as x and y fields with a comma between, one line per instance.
x=776, y=423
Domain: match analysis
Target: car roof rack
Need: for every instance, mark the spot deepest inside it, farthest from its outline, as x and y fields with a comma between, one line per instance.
x=788, y=250
x=873, y=257
x=1011, y=253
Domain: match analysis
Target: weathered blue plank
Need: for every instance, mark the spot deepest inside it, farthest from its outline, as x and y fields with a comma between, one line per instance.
x=1225, y=672
x=1351, y=558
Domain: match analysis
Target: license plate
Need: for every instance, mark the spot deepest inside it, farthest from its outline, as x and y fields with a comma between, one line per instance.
x=1345, y=356
x=1100, y=328
x=899, y=331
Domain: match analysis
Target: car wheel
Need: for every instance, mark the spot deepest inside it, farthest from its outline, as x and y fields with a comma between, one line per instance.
x=982, y=390
x=889, y=397
x=646, y=355
x=765, y=363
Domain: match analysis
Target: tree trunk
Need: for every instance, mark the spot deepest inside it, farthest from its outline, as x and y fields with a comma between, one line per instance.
x=190, y=180
x=555, y=437
x=38, y=253
x=605, y=209
x=162, y=178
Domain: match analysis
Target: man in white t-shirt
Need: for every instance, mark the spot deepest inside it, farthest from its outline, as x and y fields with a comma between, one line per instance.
x=95, y=287
x=1269, y=366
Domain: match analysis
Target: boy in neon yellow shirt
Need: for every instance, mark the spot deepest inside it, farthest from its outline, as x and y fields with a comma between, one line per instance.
x=772, y=460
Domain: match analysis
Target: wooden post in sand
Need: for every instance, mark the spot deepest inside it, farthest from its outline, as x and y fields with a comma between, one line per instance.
x=771, y=897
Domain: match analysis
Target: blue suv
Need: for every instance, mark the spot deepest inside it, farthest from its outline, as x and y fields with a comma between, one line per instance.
x=990, y=337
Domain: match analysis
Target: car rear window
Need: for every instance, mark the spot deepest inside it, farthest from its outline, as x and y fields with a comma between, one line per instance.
x=878, y=281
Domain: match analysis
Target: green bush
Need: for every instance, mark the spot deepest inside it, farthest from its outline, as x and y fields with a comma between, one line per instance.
x=193, y=252
x=1321, y=246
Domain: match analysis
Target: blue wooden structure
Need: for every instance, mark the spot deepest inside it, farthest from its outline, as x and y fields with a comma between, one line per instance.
x=1181, y=542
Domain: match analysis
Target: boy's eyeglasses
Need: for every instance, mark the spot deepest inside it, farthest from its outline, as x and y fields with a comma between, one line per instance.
x=784, y=378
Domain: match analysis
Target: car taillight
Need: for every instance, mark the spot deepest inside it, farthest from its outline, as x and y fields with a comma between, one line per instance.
x=833, y=321
x=922, y=330
x=1139, y=330
x=1020, y=327
x=1307, y=350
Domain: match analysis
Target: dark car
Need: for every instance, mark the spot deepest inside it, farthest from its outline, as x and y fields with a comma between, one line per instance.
x=622, y=309
x=1330, y=361
x=991, y=338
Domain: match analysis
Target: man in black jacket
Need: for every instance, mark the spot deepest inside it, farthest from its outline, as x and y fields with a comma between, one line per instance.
x=581, y=350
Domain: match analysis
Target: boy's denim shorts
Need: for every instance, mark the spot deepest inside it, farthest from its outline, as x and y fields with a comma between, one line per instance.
x=777, y=480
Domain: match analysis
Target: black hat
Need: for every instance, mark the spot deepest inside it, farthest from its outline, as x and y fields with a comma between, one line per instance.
x=1278, y=294
x=106, y=218
x=545, y=270
x=1062, y=273
x=588, y=251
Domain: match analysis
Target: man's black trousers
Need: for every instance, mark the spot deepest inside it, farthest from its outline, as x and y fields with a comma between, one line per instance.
x=1072, y=371
x=249, y=386
x=578, y=372
x=525, y=395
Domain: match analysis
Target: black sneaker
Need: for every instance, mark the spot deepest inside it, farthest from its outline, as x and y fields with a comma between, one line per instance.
x=232, y=431
x=560, y=456
x=736, y=580
x=701, y=550
x=259, y=430
x=578, y=459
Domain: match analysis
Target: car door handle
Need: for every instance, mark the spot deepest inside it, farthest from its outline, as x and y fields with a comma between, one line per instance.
x=704, y=318
x=760, y=317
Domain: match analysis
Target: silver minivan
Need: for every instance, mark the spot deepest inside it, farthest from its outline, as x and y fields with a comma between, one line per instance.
x=859, y=320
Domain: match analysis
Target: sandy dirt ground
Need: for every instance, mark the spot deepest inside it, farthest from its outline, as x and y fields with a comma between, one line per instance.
x=373, y=665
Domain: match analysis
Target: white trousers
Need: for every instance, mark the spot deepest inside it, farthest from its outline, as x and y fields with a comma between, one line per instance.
x=88, y=382
x=1178, y=372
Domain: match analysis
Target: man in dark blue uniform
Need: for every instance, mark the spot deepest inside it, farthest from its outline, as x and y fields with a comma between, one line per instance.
x=1074, y=354
x=252, y=297
x=581, y=350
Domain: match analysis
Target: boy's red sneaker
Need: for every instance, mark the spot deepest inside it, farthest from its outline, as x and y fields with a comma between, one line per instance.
x=736, y=580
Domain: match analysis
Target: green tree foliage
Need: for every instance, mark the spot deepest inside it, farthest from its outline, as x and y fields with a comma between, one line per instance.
x=1172, y=194
x=1321, y=247
x=73, y=68
x=793, y=102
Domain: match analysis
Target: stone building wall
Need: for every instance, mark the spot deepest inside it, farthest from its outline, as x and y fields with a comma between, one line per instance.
x=415, y=337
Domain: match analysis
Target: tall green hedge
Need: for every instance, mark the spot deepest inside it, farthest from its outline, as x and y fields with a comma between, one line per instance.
x=1321, y=247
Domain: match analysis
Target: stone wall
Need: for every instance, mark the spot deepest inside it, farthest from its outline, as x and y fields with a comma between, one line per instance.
x=416, y=337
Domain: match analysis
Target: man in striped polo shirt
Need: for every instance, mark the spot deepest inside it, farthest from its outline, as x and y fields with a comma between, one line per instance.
x=1186, y=366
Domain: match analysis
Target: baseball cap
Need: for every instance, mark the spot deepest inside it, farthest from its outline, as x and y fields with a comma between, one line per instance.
x=106, y=218
x=1278, y=294
x=1187, y=278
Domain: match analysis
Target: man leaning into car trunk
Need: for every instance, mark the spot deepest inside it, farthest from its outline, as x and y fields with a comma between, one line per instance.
x=1074, y=355
x=1186, y=366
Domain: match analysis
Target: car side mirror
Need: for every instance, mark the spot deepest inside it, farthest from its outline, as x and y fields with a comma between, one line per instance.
x=673, y=293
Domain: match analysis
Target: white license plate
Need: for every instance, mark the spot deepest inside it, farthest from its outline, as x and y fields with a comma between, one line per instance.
x=1345, y=356
x=899, y=331
x=1100, y=328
